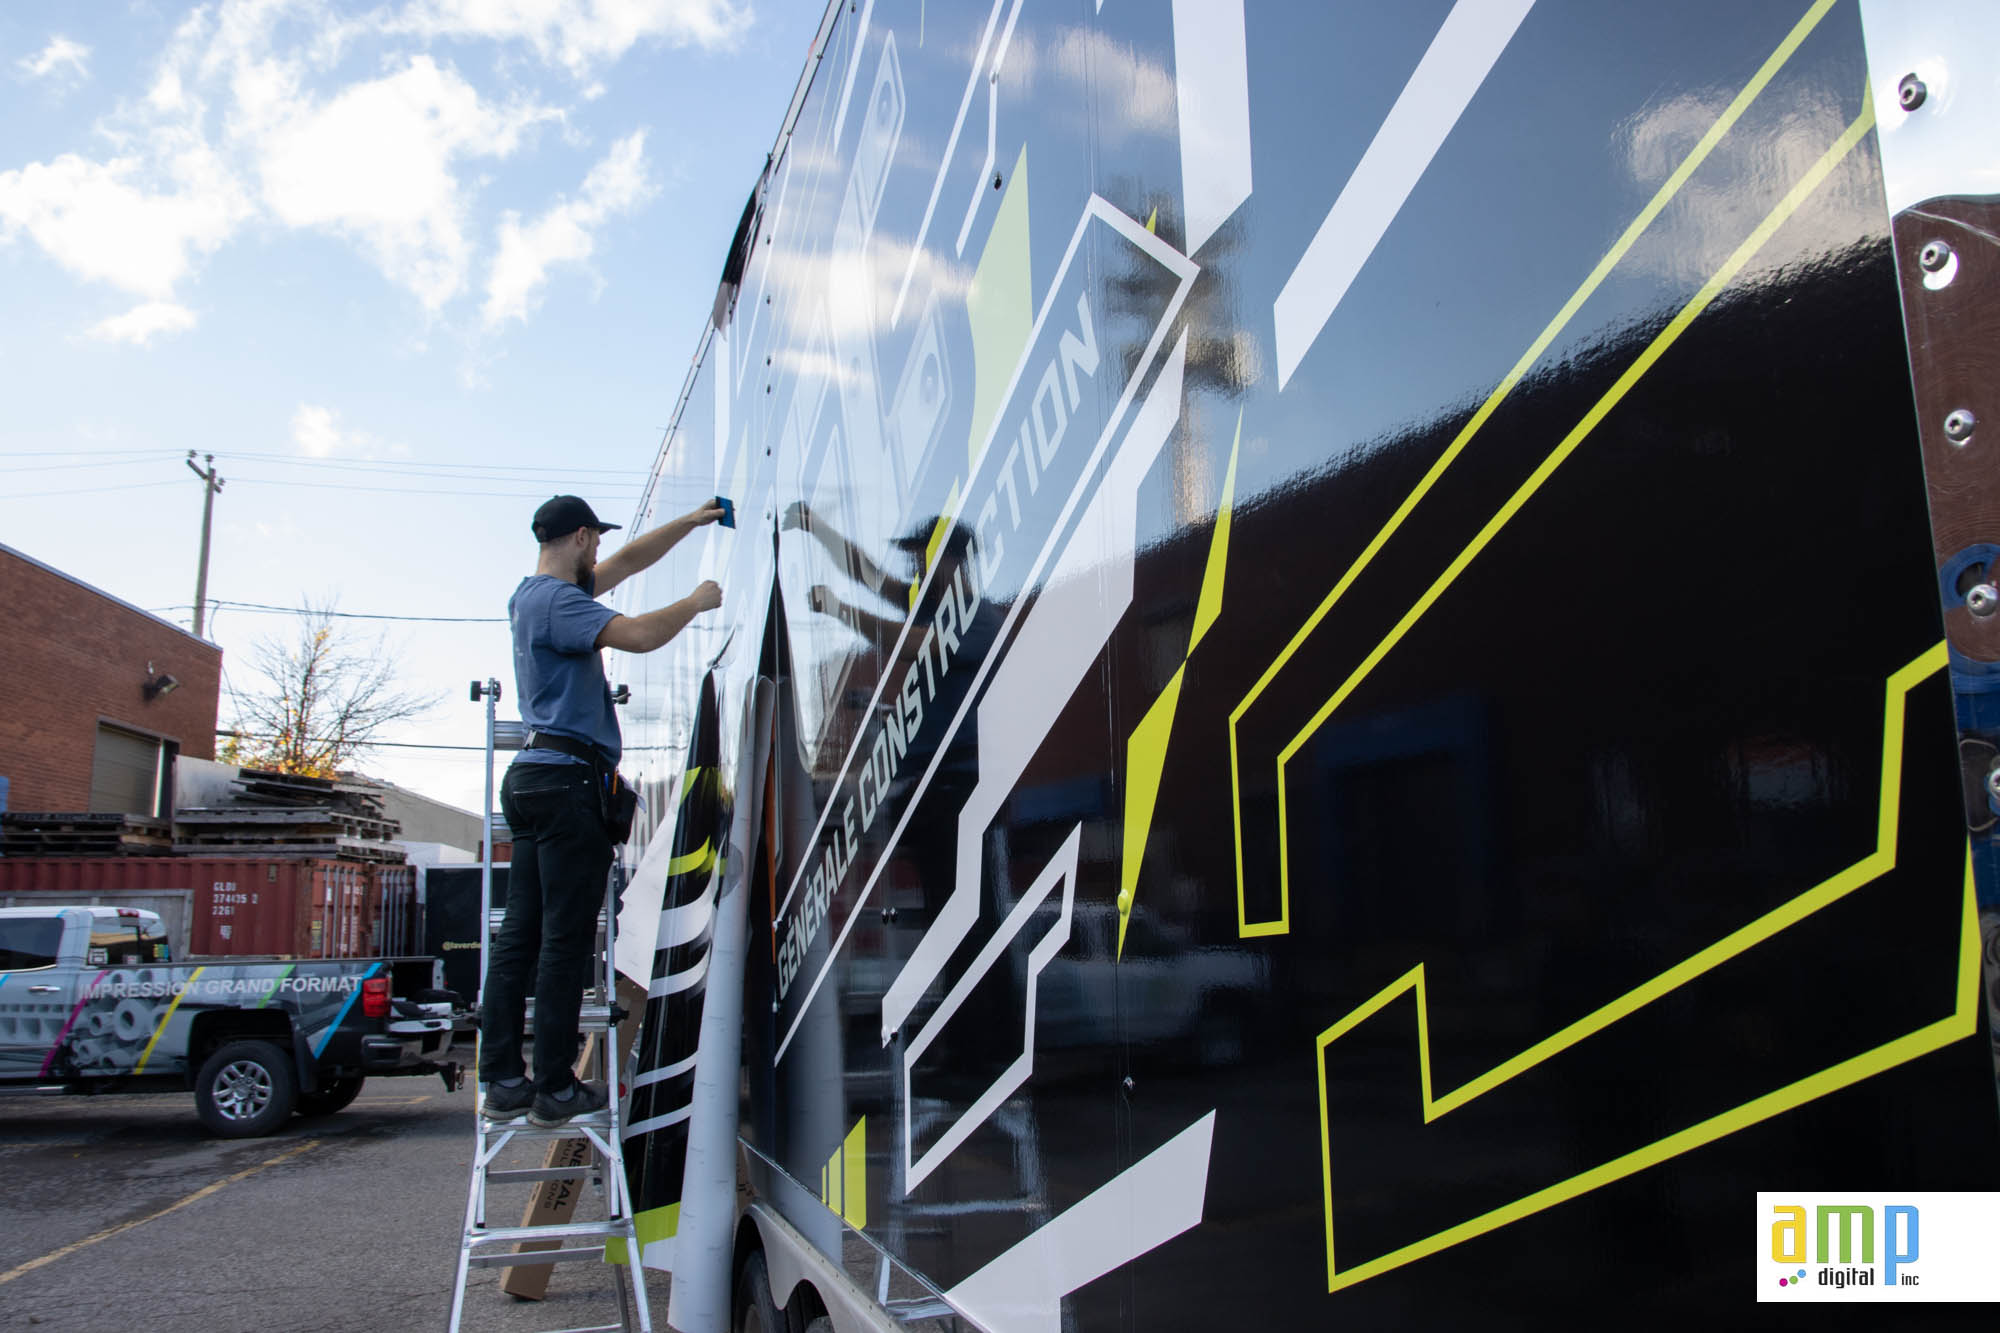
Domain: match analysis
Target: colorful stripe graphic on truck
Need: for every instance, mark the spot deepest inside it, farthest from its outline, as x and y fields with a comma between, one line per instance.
x=136, y=1020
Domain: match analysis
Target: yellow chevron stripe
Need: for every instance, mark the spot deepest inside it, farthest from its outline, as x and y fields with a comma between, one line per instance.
x=165, y=1018
x=701, y=858
x=1666, y=338
x=1661, y=198
x=1962, y=1022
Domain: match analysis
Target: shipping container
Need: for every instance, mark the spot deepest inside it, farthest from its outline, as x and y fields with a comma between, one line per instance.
x=262, y=906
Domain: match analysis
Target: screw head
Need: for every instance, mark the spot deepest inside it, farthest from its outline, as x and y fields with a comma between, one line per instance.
x=1993, y=782
x=1958, y=426
x=1983, y=599
x=1129, y=1085
x=1934, y=256
x=1910, y=93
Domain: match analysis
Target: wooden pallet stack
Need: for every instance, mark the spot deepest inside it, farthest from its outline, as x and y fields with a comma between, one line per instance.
x=72, y=833
x=285, y=815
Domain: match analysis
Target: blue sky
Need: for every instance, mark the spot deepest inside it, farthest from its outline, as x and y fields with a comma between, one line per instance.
x=404, y=268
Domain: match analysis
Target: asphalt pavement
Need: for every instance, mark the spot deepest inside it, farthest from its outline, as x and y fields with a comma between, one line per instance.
x=123, y=1213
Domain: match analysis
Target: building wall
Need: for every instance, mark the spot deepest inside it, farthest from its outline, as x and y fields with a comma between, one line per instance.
x=427, y=820
x=73, y=657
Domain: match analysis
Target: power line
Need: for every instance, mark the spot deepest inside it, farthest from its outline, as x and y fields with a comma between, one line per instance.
x=417, y=462
x=113, y=457
x=341, y=615
x=70, y=467
x=359, y=745
x=406, y=490
x=92, y=453
x=394, y=468
x=315, y=485
x=90, y=490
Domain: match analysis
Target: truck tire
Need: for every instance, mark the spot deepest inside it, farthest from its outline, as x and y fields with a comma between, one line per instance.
x=333, y=1095
x=246, y=1089
x=755, y=1311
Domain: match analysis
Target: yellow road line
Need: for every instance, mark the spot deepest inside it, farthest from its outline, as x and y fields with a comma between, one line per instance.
x=1661, y=198
x=196, y=1197
x=1644, y=362
x=166, y=1018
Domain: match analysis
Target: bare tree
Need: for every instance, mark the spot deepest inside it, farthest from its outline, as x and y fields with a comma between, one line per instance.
x=320, y=696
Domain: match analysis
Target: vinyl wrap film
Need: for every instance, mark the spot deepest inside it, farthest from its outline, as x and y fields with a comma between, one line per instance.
x=1363, y=724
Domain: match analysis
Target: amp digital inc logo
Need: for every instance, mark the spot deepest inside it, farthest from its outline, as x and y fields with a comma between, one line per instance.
x=1918, y=1246
x=1837, y=1225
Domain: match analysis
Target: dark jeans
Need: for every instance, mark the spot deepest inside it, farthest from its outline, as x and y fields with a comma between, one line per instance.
x=554, y=893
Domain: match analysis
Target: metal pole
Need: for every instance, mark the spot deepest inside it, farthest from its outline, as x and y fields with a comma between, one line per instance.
x=492, y=693
x=211, y=485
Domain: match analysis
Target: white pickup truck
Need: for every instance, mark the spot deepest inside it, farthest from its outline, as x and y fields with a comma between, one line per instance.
x=91, y=1002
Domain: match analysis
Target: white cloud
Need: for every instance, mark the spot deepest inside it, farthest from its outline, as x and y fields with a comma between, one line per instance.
x=141, y=322
x=102, y=222
x=317, y=432
x=314, y=433
x=578, y=34
x=254, y=115
x=60, y=53
x=562, y=235
x=377, y=163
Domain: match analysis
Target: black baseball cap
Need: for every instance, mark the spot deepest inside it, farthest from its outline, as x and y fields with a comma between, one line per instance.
x=564, y=514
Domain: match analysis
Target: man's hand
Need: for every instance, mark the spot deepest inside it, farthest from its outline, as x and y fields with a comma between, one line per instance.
x=642, y=634
x=646, y=548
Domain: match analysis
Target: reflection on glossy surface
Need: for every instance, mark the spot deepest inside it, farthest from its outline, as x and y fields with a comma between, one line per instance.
x=1575, y=584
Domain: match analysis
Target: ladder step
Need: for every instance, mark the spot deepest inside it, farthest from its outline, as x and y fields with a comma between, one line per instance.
x=499, y=914
x=591, y=1018
x=513, y=1175
x=511, y=1259
x=520, y=1128
x=602, y=1230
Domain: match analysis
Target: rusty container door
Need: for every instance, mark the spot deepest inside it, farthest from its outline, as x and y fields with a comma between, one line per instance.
x=236, y=906
x=248, y=907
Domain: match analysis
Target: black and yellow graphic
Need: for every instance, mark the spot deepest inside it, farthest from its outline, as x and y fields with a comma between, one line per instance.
x=1510, y=675
x=1250, y=923
x=1957, y=956
x=843, y=1181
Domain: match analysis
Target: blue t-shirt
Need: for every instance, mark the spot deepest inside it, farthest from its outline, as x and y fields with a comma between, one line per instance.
x=558, y=676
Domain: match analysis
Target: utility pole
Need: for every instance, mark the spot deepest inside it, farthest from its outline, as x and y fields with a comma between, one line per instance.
x=211, y=486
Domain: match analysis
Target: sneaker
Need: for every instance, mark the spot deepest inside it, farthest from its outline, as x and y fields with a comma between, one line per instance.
x=507, y=1103
x=550, y=1110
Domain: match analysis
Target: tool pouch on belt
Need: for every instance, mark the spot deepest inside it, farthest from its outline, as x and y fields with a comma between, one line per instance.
x=619, y=804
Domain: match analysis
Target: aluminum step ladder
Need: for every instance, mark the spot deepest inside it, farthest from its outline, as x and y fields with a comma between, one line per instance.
x=484, y=1246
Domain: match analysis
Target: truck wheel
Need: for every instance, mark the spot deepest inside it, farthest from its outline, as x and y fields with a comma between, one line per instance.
x=245, y=1090
x=755, y=1311
x=333, y=1095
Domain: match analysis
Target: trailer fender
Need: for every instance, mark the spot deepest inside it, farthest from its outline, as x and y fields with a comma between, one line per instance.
x=789, y=1260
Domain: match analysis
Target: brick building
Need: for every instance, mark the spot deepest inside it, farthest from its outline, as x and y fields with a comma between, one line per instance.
x=97, y=698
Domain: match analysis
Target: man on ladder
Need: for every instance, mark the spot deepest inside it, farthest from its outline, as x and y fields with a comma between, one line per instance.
x=563, y=799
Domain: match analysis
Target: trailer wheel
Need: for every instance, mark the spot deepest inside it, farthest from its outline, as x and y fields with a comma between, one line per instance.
x=755, y=1311
x=245, y=1090
x=333, y=1095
